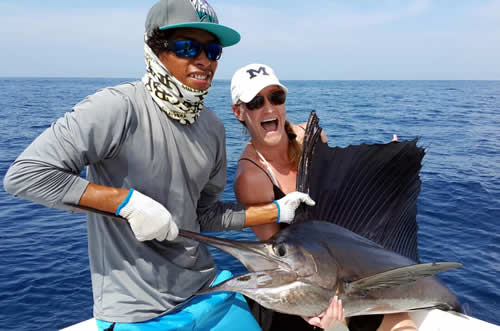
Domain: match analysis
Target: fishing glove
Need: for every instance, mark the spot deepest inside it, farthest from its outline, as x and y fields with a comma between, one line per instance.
x=289, y=203
x=147, y=217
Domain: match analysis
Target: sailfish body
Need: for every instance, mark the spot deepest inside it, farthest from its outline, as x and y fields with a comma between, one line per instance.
x=359, y=241
x=305, y=265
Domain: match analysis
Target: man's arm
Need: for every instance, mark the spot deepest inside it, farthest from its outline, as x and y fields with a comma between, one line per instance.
x=103, y=198
x=48, y=171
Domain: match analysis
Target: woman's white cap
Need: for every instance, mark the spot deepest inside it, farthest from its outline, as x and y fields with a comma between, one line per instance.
x=249, y=80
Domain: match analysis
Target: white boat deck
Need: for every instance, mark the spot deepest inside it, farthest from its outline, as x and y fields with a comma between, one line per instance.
x=426, y=320
x=438, y=320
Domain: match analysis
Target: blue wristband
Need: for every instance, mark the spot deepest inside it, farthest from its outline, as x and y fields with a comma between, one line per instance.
x=277, y=205
x=124, y=202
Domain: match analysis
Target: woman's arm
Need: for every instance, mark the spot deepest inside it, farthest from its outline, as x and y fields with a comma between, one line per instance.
x=252, y=186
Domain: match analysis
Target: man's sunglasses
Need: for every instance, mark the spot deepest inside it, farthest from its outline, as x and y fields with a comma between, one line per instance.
x=276, y=98
x=192, y=48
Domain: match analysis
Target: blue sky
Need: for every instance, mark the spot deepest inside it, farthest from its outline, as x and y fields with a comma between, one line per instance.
x=320, y=39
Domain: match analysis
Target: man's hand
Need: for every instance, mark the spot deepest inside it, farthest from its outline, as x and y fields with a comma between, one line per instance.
x=147, y=217
x=289, y=203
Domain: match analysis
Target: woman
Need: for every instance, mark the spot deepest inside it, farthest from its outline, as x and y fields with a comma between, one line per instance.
x=268, y=166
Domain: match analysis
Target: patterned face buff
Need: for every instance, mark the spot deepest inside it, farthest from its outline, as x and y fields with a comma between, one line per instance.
x=178, y=101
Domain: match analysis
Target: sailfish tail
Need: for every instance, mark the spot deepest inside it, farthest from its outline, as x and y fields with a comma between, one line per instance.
x=371, y=190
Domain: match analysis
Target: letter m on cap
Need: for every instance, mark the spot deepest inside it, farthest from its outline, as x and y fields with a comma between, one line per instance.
x=253, y=73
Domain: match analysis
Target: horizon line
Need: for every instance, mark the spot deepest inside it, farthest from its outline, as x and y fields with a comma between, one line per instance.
x=228, y=79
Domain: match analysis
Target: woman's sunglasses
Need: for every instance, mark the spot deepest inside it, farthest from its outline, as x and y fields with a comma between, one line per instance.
x=192, y=48
x=276, y=98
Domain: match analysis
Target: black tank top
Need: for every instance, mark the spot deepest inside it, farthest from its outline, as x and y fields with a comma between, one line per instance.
x=278, y=193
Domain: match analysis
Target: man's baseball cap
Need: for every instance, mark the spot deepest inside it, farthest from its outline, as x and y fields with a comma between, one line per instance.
x=198, y=14
x=249, y=80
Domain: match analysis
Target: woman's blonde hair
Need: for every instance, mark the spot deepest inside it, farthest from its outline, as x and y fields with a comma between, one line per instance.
x=294, y=147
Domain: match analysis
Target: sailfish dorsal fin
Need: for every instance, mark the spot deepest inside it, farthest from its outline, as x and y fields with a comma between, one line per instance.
x=371, y=190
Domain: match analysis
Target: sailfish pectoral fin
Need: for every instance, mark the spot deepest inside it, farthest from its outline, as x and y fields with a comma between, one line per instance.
x=398, y=276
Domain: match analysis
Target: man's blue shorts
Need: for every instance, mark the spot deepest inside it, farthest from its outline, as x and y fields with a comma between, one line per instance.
x=216, y=311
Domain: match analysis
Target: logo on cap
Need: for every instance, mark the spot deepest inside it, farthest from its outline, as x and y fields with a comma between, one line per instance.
x=253, y=73
x=205, y=12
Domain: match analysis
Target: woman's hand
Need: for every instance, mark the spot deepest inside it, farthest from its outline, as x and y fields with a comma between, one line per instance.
x=332, y=315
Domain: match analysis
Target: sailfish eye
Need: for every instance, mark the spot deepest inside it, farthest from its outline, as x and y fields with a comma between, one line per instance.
x=279, y=250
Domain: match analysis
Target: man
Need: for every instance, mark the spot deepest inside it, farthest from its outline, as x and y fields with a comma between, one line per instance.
x=156, y=157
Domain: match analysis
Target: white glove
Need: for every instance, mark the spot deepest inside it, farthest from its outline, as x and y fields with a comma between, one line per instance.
x=289, y=203
x=147, y=217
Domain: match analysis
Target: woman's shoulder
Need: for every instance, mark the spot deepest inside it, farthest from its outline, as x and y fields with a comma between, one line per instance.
x=248, y=170
x=252, y=184
x=301, y=126
x=299, y=130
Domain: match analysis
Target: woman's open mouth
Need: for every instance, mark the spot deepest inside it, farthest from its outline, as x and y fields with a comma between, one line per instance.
x=270, y=125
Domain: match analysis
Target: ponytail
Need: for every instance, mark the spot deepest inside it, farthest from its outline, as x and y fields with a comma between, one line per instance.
x=294, y=147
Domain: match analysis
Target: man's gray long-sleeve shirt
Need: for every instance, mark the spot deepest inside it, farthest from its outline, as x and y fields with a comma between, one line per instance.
x=128, y=142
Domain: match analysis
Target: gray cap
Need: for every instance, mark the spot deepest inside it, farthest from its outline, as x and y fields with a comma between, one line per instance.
x=198, y=14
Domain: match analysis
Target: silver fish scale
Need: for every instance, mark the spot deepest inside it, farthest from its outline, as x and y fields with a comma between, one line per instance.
x=297, y=298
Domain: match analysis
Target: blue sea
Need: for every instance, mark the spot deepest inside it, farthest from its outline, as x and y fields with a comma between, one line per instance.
x=44, y=275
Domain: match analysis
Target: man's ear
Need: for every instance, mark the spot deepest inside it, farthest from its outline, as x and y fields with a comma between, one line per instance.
x=237, y=112
x=163, y=57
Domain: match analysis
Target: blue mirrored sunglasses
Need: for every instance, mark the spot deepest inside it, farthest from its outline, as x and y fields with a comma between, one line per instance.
x=193, y=48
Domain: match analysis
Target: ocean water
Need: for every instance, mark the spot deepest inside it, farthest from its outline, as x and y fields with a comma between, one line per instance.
x=44, y=276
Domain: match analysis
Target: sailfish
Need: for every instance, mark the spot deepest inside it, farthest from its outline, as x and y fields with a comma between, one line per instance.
x=358, y=242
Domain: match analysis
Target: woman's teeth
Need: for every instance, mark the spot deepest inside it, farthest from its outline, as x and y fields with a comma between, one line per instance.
x=270, y=125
